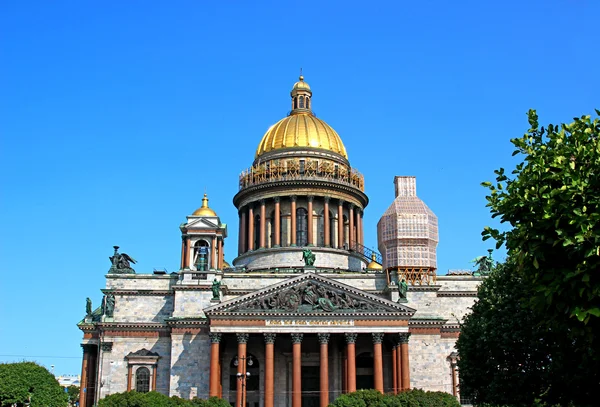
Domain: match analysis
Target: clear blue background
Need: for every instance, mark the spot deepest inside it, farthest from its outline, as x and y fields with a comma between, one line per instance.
x=117, y=116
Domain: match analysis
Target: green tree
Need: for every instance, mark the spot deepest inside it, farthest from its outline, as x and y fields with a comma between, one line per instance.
x=552, y=203
x=73, y=394
x=28, y=381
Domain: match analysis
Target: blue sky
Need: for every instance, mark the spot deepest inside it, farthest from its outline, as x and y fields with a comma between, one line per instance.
x=115, y=117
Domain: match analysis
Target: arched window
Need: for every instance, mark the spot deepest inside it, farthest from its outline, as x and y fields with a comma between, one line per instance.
x=256, y=232
x=364, y=371
x=346, y=232
x=301, y=227
x=201, y=255
x=295, y=103
x=301, y=102
x=307, y=103
x=332, y=229
x=142, y=380
x=321, y=229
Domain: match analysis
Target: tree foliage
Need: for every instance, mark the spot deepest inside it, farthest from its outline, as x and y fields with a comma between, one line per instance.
x=410, y=398
x=21, y=382
x=73, y=394
x=552, y=203
x=155, y=399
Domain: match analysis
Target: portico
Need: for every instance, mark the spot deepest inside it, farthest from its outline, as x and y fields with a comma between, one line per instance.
x=317, y=326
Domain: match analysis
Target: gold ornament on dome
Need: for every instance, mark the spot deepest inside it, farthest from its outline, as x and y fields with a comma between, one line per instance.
x=204, y=210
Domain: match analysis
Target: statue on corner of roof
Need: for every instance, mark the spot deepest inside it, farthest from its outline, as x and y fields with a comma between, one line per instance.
x=121, y=263
x=88, y=307
x=402, y=291
x=484, y=264
x=216, y=288
x=308, y=257
x=108, y=305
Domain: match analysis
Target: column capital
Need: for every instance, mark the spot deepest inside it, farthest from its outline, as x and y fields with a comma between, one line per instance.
x=270, y=338
x=324, y=339
x=215, y=337
x=106, y=346
x=341, y=202
x=263, y=202
x=242, y=338
x=403, y=338
x=293, y=198
x=277, y=199
x=297, y=338
x=351, y=205
x=377, y=337
x=310, y=198
x=351, y=338
x=326, y=199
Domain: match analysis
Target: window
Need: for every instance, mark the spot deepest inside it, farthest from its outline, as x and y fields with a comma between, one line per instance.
x=256, y=232
x=142, y=380
x=301, y=102
x=295, y=103
x=201, y=255
x=301, y=227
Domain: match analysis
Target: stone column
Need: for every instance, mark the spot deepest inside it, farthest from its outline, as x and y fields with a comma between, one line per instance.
x=213, y=253
x=129, y=374
x=243, y=233
x=215, y=378
x=362, y=232
x=293, y=220
x=269, y=370
x=84, y=376
x=358, y=226
x=220, y=256
x=263, y=228
x=351, y=238
x=297, y=370
x=454, y=379
x=394, y=370
x=324, y=371
x=187, y=252
x=377, y=361
x=340, y=239
x=326, y=231
x=153, y=378
x=398, y=367
x=250, y=228
x=310, y=240
x=351, y=350
x=241, y=369
x=277, y=222
x=182, y=252
x=405, y=366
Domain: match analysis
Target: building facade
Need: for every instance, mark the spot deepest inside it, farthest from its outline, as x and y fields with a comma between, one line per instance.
x=306, y=312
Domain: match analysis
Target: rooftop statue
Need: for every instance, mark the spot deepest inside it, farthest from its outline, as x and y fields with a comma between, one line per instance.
x=216, y=287
x=121, y=263
x=108, y=305
x=402, y=291
x=484, y=264
x=88, y=307
x=308, y=257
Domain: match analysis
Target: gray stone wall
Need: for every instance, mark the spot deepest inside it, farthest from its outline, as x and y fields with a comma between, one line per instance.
x=140, y=281
x=191, y=303
x=143, y=308
x=190, y=365
x=428, y=362
x=114, y=367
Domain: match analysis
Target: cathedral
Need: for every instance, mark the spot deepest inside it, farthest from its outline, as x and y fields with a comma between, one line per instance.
x=305, y=312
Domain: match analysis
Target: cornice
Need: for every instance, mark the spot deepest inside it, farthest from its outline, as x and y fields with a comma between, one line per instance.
x=142, y=292
x=424, y=287
x=457, y=294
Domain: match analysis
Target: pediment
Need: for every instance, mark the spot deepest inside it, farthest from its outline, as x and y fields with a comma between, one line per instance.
x=309, y=295
x=202, y=223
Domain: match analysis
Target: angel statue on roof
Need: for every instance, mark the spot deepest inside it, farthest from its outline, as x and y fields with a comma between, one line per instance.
x=484, y=264
x=121, y=263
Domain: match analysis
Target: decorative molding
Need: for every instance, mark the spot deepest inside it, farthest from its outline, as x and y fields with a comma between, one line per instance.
x=106, y=346
x=215, y=337
x=297, y=338
x=377, y=337
x=161, y=293
x=457, y=294
x=351, y=338
x=270, y=338
x=242, y=338
x=403, y=338
x=323, y=338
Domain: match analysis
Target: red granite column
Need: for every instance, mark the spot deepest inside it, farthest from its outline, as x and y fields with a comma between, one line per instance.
x=351, y=350
x=359, y=226
x=213, y=253
x=241, y=368
x=153, y=378
x=394, y=370
x=293, y=221
x=187, y=252
x=269, y=370
x=377, y=361
x=250, y=228
x=220, y=255
x=215, y=378
x=326, y=231
x=84, y=376
x=324, y=371
x=277, y=222
x=263, y=227
x=340, y=239
x=362, y=231
x=310, y=240
x=399, y=367
x=405, y=366
x=351, y=238
x=297, y=370
x=243, y=233
x=182, y=251
x=129, y=377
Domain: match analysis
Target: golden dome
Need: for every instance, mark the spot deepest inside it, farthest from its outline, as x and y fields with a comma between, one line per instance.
x=204, y=210
x=301, y=84
x=373, y=265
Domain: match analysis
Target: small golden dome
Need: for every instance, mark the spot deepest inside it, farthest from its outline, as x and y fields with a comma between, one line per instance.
x=204, y=210
x=373, y=265
x=301, y=85
x=301, y=130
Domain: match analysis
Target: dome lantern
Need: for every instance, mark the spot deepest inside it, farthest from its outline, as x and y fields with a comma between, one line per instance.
x=301, y=97
x=204, y=210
